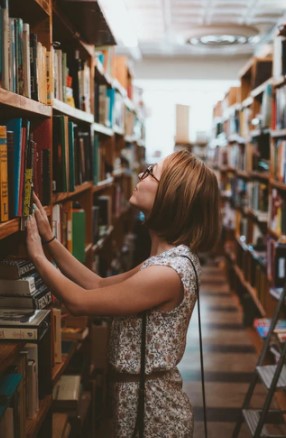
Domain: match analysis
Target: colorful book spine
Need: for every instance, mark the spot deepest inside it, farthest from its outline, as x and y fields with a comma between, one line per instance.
x=4, y=199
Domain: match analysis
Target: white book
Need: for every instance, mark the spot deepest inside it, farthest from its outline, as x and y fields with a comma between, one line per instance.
x=25, y=286
x=32, y=389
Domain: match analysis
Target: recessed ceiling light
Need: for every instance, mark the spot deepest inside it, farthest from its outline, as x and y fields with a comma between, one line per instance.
x=222, y=35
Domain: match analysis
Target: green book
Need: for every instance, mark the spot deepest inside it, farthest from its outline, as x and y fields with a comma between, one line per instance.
x=78, y=234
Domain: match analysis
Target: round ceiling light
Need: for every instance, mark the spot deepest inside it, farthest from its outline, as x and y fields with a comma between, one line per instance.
x=221, y=35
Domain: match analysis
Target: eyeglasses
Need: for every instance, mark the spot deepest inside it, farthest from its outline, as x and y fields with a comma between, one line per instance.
x=147, y=172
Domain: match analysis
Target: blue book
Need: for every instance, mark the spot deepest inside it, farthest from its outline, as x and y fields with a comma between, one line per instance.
x=111, y=96
x=8, y=387
x=15, y=125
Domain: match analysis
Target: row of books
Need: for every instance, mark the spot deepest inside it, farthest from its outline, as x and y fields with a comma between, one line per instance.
x=71, y=79
x=24, y=163
x=69, y=224
x=25, y=63
x=75, y=156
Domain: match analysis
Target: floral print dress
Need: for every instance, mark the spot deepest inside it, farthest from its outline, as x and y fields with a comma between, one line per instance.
x=168, y=412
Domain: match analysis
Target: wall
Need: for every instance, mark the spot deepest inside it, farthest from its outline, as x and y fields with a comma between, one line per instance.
x=197, y=82
x=192, y=68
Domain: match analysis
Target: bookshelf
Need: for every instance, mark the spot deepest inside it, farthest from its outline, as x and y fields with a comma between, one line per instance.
x=247, y=151
x=86, y=121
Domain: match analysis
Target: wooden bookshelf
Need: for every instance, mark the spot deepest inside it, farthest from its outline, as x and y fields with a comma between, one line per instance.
x=59, y=368
x=78, y=37
x=33, y=426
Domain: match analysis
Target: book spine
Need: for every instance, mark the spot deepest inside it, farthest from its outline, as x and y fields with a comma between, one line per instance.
x=26, y=61
x=4, y=203
x=10, y=333
x=34, y=302
x=28, y=180
x=33, y=64
x=5, y=42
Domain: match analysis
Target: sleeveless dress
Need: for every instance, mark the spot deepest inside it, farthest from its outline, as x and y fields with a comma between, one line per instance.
x=168, y=412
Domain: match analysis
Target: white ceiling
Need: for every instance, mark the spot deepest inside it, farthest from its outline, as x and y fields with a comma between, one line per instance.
x=163, y=26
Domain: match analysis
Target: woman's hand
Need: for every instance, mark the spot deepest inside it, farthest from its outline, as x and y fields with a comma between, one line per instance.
x=34, y=243
x=43, y=223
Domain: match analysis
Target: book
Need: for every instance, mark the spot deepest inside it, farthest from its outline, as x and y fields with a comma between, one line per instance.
x=12, y=268
x=78, y=233
x=4, y=198
x=15, y=125
x=38, y=301
x=66, y=392
x=262, y=326
x=26, y=61
x=28, y=178
x=32, y=379
x=25, y=286
x=10, y=150
x=8, y=385
x=23, y=324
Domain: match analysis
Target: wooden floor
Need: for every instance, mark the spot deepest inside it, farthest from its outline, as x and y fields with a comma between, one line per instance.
x=229, y=358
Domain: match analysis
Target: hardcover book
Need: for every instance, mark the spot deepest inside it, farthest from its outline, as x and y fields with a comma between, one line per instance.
x=23, y=324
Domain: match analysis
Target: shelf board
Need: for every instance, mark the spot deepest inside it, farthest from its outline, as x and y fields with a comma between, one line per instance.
x=88, y=248
x=75, y=113
x=261, y=88
x=59, y=368
x=10, y=227
x=265, y=176
x=278, y=133
x=101, y=241
x=242, y=174
x=33, y=425
x=279, y=82
x=118, y=130
x=247, y=102
x=252, y=292
x=101, y=75
x=8, y=354
x=116, y=84
x=64, y=196
x=278, y=184
x=23, y=103
x=236, y=138
x=101, y=129
x=102, y=185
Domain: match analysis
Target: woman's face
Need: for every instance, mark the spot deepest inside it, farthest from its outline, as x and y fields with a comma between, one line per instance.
x=144, y=193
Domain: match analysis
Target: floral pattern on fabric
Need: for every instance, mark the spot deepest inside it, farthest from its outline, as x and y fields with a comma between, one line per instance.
x=168, y=411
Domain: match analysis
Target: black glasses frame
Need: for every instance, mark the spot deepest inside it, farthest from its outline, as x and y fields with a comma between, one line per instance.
x=148, y=171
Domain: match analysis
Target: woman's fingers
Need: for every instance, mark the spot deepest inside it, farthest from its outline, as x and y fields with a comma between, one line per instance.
x=38, y=202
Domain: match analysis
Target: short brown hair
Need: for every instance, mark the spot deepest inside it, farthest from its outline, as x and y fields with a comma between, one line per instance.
x=186, y=208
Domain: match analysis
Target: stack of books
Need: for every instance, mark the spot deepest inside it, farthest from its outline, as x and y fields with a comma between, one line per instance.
x=21, y=285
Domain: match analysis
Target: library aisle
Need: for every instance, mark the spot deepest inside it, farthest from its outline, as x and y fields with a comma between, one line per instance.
x=229, y=357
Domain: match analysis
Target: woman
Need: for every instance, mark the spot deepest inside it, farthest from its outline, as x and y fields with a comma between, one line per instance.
x=180, y=199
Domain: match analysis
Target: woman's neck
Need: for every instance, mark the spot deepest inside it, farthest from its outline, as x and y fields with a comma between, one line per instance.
x=158, y=245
